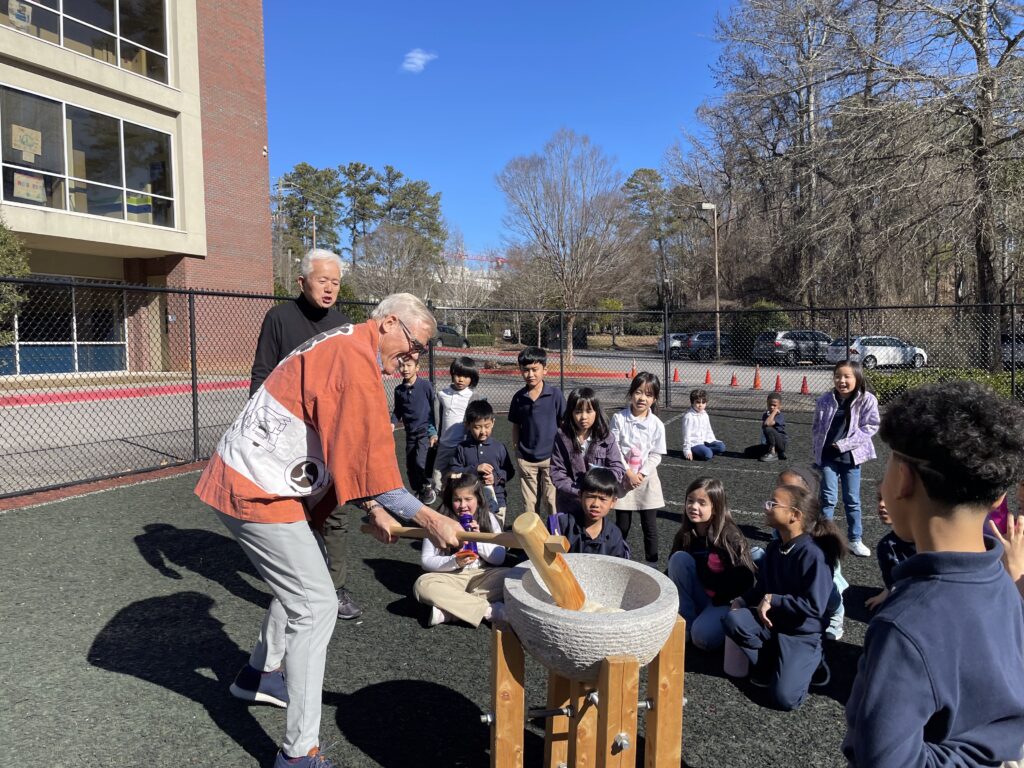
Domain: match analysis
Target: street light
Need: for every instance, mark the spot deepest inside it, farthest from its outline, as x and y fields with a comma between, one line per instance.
x=718, y=316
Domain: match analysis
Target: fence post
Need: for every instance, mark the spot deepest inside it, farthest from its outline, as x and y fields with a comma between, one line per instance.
x=848, y=338
x=1013, y=342
x=561, y=350
x=667, y=355
x=430, y=351
x=195, y=374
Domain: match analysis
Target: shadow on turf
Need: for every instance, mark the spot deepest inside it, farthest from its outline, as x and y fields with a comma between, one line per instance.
x=208, y=554
x=414, y=723
x=398, y=577
x=166, y=641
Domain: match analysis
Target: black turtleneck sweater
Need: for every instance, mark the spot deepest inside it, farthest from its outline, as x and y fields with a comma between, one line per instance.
x=285, y=327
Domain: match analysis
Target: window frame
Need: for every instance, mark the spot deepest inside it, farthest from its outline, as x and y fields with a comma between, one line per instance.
x=116, y=34
x=68, y=177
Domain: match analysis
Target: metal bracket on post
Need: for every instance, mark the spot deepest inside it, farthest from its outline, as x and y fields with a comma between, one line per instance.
x=561, y=350
x=430, y=350
x=195, y=374
x=667, y=381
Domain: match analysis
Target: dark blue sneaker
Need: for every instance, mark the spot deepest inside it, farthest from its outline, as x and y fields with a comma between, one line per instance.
x=313, y=760
x=262, y=687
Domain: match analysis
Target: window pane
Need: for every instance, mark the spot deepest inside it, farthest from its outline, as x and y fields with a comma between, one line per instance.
x=147, y=160
x=142, y=22
x=94, y=146
x=31, y=131
x=150, y=210
x=99, y=315
x=28, y=18
x=21, y=186
x=91, y=42
x=143, y=62
x=97, y=200
x=46, y=316
x=99, y=13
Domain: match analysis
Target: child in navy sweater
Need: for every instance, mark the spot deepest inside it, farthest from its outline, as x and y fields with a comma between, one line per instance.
x=779, y=623
x=588, y=529
x=941, y=679
x=414, y=409
x=489, y=458
x=891, y=551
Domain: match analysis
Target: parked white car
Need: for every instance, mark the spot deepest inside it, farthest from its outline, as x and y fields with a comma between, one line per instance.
x=677, y=344
x=874, y=351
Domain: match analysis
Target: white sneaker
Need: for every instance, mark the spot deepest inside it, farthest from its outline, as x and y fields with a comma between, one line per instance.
x=496, y=612
x=835, y=627
x=437, y=616
x=857, y=548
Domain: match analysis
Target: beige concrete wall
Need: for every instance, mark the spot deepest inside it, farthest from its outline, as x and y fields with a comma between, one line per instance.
x=47, y=69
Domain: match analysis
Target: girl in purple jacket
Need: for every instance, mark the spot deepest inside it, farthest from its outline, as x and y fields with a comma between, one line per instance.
x=845, y=420
x=583, y=442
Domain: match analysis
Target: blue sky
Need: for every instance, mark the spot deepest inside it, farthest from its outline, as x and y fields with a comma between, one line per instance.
x=495, y=80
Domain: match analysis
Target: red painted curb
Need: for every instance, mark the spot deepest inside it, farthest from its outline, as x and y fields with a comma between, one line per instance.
x=49, y=398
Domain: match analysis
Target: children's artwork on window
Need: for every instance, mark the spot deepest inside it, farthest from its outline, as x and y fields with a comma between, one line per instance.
x=29, y=188
x=28, y=140
x=20, y=15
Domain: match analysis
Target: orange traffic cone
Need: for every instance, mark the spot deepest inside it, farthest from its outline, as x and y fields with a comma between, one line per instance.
x=778, y=382
x=632, y=371
x=675, y=376
x=757, y=377
x=735, y=382
x=707, y=377
x=804, y=389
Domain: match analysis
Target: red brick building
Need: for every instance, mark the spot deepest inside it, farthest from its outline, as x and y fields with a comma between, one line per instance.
x=134, y=152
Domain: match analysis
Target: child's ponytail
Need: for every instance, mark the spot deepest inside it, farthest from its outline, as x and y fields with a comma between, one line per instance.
x=822, y=530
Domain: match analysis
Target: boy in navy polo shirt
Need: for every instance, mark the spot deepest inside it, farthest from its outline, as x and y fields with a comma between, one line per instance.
x=488, y=458
x=414, y=408
x=535, y=413
x=941, y=680
x=588, y=528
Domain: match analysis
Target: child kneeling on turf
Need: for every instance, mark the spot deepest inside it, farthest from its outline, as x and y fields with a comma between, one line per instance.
x=463, y=584
x=779, y=623
x=710, y=562
x=941, y=679
x=588, y=529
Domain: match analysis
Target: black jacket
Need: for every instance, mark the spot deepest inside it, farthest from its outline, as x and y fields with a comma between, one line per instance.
x=284, y=328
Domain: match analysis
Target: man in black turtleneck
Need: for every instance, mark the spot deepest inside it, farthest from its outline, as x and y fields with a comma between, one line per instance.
x=294, y=322
x=285, y=327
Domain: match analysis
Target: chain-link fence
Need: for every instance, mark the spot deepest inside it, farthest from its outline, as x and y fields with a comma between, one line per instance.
x=101, y=379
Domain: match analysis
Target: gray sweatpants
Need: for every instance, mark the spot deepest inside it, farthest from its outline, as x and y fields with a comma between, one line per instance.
x=299, y=622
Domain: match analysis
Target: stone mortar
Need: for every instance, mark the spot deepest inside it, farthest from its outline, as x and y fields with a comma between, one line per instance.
x=573, y=643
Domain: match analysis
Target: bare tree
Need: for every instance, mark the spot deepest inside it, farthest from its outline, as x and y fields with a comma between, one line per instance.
x=458, y=284
x=394, y=258
x=566, y=205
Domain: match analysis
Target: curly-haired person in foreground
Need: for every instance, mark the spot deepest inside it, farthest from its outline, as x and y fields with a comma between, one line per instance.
x=941, y=680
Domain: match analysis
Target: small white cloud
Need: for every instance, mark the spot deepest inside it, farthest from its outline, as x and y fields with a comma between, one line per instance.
x=417, y=59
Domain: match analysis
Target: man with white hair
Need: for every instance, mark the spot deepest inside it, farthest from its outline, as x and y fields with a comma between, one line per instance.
x=285, y=327
x=316, y=432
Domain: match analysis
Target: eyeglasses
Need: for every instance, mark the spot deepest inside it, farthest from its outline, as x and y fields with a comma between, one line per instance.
x=772, y=504
x=416, y=347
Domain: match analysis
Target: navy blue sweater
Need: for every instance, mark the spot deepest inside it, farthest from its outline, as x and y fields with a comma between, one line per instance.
x=608, y=542
x=941, y=680
x=469, y=454
x=891, y=551
x=414, y=407
x=799, y=581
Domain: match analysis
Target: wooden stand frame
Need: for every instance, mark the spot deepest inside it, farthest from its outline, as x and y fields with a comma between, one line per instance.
x=599, y=735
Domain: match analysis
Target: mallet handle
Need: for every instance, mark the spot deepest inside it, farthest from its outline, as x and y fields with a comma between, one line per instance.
x=549, y=565
x=413, y=532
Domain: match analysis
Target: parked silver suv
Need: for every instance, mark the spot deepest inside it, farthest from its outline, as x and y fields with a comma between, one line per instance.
x=791, y=347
